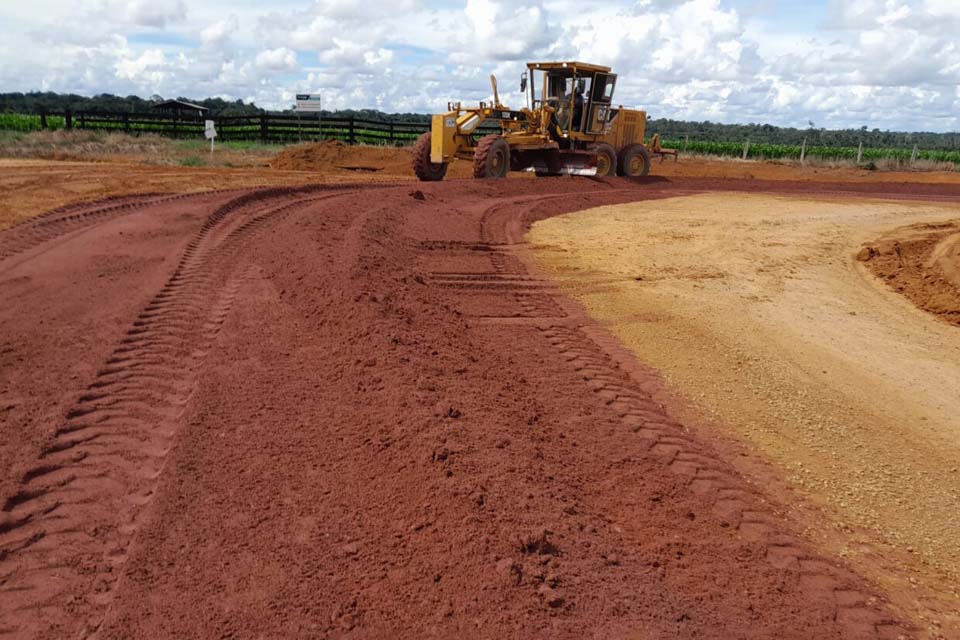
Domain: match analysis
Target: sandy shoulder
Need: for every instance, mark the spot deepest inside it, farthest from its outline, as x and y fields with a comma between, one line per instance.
x=758, y=315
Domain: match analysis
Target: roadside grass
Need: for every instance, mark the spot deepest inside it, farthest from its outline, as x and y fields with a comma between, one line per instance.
x=193, y=161
x=77, y=145
x=232, y=145
x=152, y=149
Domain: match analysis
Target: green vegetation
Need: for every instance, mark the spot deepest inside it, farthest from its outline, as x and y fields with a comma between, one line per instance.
x=767, y=134
x=20, y=122
x=35, y=101
x=766, y=151
x=200, y=144
x=193, y=161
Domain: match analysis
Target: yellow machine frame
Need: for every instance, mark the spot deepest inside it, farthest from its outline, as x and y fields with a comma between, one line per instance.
x=533, y=133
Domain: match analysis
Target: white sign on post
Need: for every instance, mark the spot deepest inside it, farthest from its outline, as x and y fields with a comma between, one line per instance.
x=210, y=132
x=308, y=102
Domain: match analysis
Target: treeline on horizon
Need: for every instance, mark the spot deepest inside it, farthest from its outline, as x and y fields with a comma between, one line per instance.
x=50, y=102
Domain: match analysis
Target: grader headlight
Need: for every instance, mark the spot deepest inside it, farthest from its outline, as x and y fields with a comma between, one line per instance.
x=470, y=123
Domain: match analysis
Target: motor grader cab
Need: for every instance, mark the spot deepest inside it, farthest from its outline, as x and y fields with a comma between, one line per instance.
x=569, y=126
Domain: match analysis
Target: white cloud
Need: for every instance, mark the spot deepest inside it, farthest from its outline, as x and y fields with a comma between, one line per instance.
x=217, y=34
x=156, y=13
x=883, y=63
x=279, y=59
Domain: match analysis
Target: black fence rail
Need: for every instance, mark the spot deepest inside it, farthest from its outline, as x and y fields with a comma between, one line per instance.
x=137, y=123
x=266, y=128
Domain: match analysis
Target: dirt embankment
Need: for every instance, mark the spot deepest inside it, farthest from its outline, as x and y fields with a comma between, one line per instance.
x=921, y=261
x=336, y=158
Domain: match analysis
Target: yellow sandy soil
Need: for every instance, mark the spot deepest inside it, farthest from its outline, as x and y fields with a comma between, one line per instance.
x=760, y=318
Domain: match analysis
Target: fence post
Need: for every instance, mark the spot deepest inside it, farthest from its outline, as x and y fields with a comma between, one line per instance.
x=686, y=142
x=43, y=118
x=126, y=122
x=913, y=156
x=351, y=133
x=392, y=141
x=746, y=149
x=860, y=153
x=803, y=151
x=68, y=119
x=263, y=127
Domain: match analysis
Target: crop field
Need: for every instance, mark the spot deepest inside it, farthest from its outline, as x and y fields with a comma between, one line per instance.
x=26, y=123
x=767, y=151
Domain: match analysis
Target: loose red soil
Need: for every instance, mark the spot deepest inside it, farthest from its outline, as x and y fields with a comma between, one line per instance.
x=336, y=158
x=923, y=263
x=350, y=411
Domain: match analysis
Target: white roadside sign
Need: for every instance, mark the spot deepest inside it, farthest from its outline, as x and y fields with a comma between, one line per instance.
x=210, y=132
x=308, y=102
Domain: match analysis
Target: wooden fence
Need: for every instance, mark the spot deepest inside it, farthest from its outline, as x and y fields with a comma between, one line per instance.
x=265, y=128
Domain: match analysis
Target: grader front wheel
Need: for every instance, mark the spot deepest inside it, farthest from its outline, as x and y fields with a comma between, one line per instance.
x=492, y=157
x=606, y=160
x=422, y=166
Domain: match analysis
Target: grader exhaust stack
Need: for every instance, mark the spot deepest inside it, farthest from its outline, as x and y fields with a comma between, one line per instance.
x=569, y=126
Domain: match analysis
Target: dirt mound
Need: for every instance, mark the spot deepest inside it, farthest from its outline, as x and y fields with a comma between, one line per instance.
x=922, y=262
x=336, y=157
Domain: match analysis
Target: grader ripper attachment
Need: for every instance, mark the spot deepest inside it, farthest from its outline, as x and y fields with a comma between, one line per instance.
x=569, y=126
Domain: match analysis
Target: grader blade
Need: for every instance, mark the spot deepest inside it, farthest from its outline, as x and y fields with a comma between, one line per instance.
x=564, y=163
x=543, y=170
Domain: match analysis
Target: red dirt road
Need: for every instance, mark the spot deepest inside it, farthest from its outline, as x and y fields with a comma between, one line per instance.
x=351, y=412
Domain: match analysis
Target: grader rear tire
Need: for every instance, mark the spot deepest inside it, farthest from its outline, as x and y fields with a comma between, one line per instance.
x=422, y=166
x=634, y=161
x=492, y=157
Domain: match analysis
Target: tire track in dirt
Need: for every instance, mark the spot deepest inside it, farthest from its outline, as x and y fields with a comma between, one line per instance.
x=65, y=535
x=604, y=367
x=65, y=220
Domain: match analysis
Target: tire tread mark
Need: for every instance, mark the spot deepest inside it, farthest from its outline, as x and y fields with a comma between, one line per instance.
x=69, y=526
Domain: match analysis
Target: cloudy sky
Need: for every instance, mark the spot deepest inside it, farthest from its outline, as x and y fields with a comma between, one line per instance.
x=881, y=63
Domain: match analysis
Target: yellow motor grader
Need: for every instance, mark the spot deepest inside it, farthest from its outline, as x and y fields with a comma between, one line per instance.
x=569, y=126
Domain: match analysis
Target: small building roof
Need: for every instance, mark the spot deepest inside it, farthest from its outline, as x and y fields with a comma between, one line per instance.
x=178, y=104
